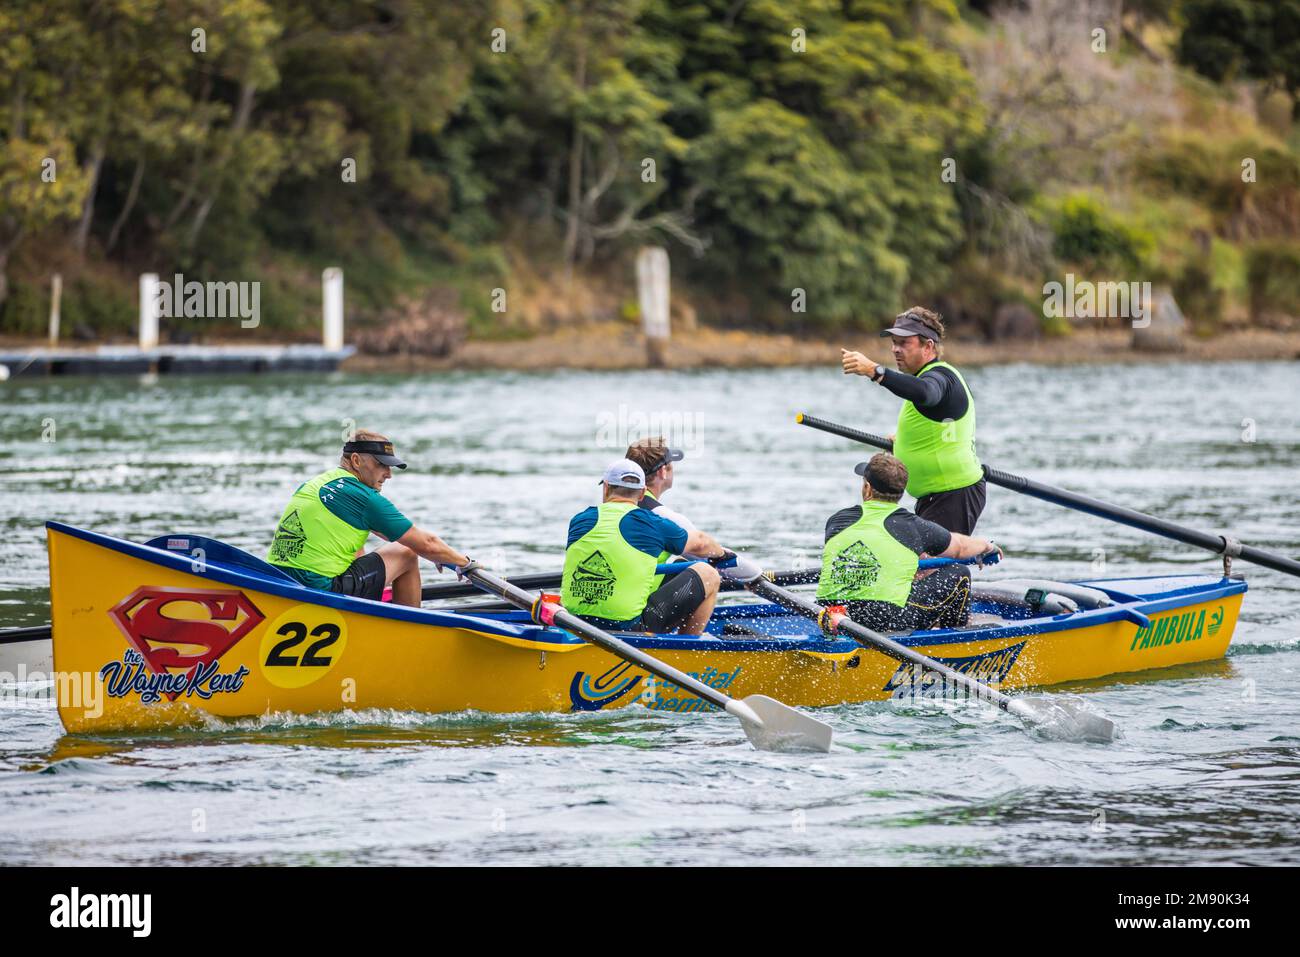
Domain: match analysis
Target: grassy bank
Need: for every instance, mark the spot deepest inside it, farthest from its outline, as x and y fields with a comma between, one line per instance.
x=614, y=345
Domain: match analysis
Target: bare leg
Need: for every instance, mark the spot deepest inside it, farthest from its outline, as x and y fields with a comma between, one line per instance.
x=402, y=571
x=694, y=625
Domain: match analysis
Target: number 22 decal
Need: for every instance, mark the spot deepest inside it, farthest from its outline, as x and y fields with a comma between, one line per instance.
x=302, y=645
x=297, y=631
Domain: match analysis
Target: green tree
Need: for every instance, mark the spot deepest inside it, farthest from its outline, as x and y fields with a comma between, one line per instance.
x=868, y=96
x=789, y=208
x=1228, y=39
x=40, y=182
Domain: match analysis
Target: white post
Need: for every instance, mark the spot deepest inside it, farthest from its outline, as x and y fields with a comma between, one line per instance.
x=148, y=311
x=332, y=294
x=652, y=293
x=56, y=293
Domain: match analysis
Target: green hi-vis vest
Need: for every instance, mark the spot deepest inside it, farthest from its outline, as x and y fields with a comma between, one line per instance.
x=313, y=538
x=604, y=576
x=865, y=563
x=940, y=456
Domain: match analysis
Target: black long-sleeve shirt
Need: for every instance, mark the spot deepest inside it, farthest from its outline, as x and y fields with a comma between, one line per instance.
x=920, y=535
x=936, y=393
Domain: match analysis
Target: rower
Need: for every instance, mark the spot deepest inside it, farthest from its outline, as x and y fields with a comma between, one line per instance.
x=327, y=521
x=872, y=554
x=609, y=563
x=656, y=460
x=935, y=436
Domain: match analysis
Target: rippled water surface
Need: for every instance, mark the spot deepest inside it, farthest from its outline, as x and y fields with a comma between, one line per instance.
x=1209, y=770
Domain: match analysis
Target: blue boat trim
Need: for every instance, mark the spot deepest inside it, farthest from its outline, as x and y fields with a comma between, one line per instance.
x=517, y=624
x=286, y=588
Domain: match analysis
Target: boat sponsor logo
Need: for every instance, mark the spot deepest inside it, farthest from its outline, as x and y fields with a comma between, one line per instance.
x=855, y=567
x=990, y=668
x=592, y=581
x=661, y=695
x=1216, y=622
x=132, y=674
x=290, y=539
x=177, y=636
x=1177, y=629
x=591, y=693
x=302, y=645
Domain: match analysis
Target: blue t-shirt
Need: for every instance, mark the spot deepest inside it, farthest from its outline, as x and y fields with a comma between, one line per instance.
x=641, y=528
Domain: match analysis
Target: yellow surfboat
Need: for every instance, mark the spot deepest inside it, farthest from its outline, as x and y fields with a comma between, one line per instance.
x=166, y=633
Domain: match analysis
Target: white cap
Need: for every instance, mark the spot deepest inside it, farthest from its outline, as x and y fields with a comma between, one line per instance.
x=624, y=474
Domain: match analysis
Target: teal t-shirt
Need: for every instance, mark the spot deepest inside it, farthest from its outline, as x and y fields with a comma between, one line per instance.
x=352, y=500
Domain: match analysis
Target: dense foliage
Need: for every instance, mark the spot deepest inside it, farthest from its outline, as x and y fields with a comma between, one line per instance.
x=845, y=155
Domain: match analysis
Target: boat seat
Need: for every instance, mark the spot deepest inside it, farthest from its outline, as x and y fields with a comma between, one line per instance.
x=214, y=552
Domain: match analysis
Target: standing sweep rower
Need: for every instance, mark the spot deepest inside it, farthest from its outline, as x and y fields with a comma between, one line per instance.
x=936, y=426
x=873, y=550
x=609, y=563
x=319, y=539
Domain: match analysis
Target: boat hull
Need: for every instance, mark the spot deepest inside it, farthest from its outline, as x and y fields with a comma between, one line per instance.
x=148, y=638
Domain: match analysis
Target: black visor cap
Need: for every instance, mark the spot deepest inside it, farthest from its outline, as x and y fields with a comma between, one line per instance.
x=669, y=455
x=878, y=481
x=908, y=325
x=382, y=451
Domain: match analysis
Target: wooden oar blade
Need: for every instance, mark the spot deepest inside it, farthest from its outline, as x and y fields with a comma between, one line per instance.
x=1065, y=720
x=784, y=728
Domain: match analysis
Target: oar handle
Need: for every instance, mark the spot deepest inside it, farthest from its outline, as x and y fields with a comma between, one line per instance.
x=988, y=558
x=672, y=568
x=462, y=589
x=857, y=435
x=1219, y=544
x=443, y=590
x=806, y=576
x=546, y=613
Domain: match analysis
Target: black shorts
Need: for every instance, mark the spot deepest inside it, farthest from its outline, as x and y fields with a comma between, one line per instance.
x=957, y=510
x=364, y=578
x=673, y=602
x=939, y=600
x=667, y=607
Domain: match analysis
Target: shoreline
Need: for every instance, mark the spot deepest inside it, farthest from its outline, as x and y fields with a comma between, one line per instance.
x=614, y=346
x=617, y=346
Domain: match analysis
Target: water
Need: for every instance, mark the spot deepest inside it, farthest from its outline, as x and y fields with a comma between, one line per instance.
x=1209, y=770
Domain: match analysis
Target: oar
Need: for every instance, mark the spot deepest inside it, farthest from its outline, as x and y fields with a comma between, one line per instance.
x=813, y=574
x=769, y=724
x=1051, y=716
x=1224, y=545
x=26, y=633
x=443, y=590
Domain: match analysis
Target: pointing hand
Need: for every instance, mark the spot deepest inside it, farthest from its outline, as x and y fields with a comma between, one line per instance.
x=855, y=363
